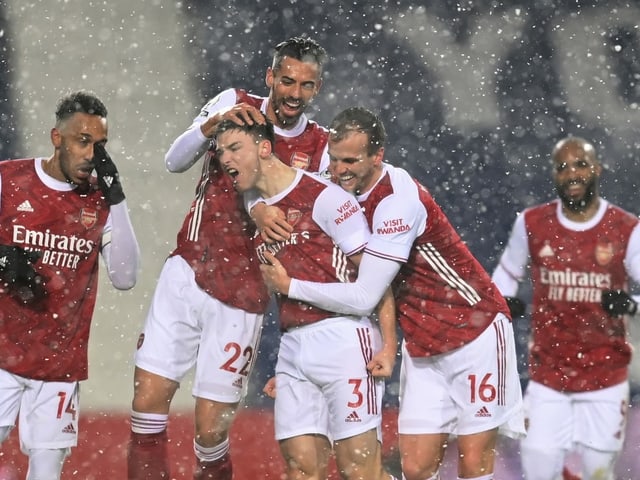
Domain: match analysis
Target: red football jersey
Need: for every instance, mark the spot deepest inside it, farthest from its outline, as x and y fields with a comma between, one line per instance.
x=328, y=226
x=215, y=238
x=575, y=345
x=444, y=297
x=48, y=340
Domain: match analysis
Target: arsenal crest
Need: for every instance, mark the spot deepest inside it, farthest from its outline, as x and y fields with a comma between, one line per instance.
x=604, y=253
x=293, y=215
x=300, y=160
x=88, y=217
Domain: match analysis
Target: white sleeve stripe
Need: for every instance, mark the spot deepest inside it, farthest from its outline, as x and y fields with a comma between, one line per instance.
x=196, y=219
x=385, y=256
x=340, y=264
x=448, y=274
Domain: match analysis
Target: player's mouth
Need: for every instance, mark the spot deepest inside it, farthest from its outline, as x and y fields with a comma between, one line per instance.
x=291, y=107
x=232, y=172
x=574, y=189
x=85, y=171
x=346, y=179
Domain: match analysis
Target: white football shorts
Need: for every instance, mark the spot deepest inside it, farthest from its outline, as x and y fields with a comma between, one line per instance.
x=322, y=383
x=48, y=411
x=472, y=389
x=186, y=327
x=562, y=420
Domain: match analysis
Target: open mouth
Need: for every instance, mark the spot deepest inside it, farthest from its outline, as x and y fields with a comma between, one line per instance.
x=345, y=179
x=232, y=172
x=291, y=107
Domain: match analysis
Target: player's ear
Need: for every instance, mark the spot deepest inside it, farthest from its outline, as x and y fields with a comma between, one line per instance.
x=56, y=137
x=268, y=79
x=379, y=156
x=265, y=148
x=598, y=169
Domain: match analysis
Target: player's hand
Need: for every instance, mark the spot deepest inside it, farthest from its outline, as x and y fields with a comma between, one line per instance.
x=275, y=276
x=271, y=222
x=18, y=274
x=108, y=176
x=382, y=363
x=618, y=302
x=270, y=388
x=516, y=307
x=241, y=113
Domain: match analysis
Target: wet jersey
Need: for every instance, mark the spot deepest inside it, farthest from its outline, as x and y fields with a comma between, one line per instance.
x=328, y=227
x=576, y=346
x=215, y=238
x=445, y=299
x=48, y=339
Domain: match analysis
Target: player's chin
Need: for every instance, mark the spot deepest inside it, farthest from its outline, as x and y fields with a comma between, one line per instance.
x=81, y=178
x=348, y=186
x=240, y=188
x=291, y=116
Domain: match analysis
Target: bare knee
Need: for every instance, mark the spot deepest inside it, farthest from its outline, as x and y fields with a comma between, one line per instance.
x=413, y=470
x=359, y=457
x=477, y=453
x=152, y=393
x=306, y=457
x=213, y=421
x=422, y=455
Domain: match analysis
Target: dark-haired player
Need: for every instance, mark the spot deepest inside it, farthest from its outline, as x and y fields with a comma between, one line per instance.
x=582, y=251
x=210, y=299
x=56, y=220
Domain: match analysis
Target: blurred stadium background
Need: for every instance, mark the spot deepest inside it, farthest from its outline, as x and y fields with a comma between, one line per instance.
x=473, y=94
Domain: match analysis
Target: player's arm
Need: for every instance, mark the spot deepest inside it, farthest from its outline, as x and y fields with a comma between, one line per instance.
x=619, y=302
x=357, y=298
x=185, y=150
x=379, y=265
x=512, y=267
x=119, y=246
x=18, y=272
x=382, y=363
x=270, y=220
x=120, y=249
x=632, y=259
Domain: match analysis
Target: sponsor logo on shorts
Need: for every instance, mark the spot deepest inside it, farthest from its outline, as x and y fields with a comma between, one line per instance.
x=238, y=383
x=353, y=417
x=69, y=429
x=483, y=412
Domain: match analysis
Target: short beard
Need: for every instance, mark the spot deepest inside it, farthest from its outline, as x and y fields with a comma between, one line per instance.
x=580, y=205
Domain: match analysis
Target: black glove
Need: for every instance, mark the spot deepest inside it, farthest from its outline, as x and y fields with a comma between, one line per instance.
x=18, y=274
x=516, y=306
x=618, y=302
x=108, y=176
